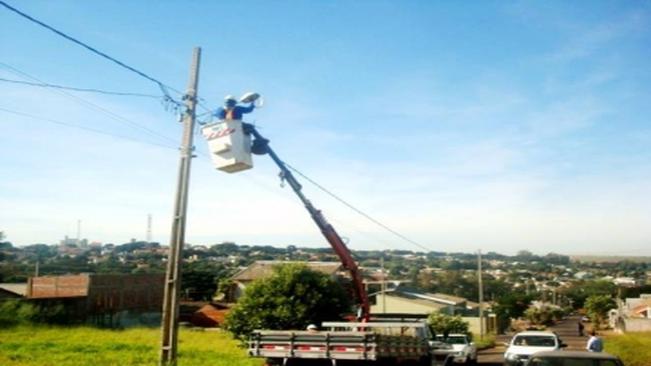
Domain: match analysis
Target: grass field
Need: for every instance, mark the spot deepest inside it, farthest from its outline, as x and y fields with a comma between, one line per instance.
x=633, y=348
x=82, y=346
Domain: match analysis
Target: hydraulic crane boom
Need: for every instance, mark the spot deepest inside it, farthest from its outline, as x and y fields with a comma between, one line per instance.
x=261, y=147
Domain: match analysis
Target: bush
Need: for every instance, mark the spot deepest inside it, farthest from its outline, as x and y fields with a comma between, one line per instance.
x=293, y=297
x=445, y=324
x=487, y=342
x=541, y=316
x=9, y=310
x=597, y=307
x=14, y=312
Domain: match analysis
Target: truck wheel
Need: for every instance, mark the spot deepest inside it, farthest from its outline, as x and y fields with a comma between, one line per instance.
x=425, y=361
x=273, y=361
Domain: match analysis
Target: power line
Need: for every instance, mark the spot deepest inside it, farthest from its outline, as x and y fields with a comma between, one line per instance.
x=160, y=84
x=163, y=87
x=91, y=105
x=360, y=212
x=367, y=216
x=88, y=129
x=89, y=90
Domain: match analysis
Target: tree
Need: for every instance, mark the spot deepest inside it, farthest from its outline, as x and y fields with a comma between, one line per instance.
x=511, y=306
x=293, y=297
x=445, y=324
x=200, y=279
x=579, y=291
x=542, y=316
x=597, y=307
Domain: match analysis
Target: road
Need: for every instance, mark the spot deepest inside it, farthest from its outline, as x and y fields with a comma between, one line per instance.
x=567, y=330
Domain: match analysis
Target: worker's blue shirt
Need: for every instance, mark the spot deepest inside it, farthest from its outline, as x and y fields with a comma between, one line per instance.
x=595, y=344
x=234, y=113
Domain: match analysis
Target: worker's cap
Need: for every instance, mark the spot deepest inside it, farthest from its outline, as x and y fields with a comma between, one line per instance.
x=230, y=98
x=312, y=327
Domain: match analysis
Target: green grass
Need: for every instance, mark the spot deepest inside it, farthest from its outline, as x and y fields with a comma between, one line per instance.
x=84, y=346
x=633, y=348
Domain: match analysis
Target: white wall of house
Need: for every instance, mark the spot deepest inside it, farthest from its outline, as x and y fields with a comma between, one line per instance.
x=490, y=324
x=636, y=325
x=395, y=304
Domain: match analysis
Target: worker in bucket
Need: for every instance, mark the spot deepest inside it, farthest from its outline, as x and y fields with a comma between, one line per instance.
x=231, y=110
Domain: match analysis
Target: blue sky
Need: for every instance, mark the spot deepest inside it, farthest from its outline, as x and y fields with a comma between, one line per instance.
x=462, y=125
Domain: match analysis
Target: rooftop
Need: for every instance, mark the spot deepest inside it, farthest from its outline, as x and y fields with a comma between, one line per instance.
x=16, y=288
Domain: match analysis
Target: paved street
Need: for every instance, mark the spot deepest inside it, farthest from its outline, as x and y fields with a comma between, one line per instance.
x=567, y=330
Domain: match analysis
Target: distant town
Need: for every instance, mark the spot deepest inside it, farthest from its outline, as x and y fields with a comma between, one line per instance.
x=552, y=276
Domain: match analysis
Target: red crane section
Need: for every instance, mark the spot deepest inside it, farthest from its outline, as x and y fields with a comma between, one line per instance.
x=261, y=147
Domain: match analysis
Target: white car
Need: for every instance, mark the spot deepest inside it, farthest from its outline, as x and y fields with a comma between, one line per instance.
x=524, y=344
x=459, y=348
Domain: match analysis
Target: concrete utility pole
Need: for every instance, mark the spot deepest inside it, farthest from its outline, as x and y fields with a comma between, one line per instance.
x=170, y=322
x=384, y=287
x=481, y=296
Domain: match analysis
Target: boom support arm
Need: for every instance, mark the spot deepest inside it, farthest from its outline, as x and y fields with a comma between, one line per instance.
x=260, y=147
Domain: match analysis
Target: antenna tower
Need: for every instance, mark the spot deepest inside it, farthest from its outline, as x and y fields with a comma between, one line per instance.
x=149, y=228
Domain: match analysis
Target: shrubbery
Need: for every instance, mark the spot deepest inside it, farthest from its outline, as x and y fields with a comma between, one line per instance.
x=444, y=324
x=14, y=312
x=544, y=315
x=293, y=297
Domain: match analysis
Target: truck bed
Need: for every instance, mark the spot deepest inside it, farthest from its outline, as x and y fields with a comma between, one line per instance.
x=363, y=344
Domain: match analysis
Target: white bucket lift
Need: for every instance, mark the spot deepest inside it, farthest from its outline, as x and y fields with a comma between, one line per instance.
x=230, y=147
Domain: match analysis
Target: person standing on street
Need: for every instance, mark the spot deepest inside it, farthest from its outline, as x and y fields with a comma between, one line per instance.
x=595, y=344
x=581, y=327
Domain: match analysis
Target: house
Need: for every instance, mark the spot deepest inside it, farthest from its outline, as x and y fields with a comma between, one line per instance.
x=203, y=314
x=103, y=299
x=264, y=269
x=403, y=300
x=632, y=315
x=12, y=290
x=407, y=302
x=625, y=281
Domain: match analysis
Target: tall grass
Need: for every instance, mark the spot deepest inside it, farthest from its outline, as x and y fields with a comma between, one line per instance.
x=84, y=346
x=633, y=348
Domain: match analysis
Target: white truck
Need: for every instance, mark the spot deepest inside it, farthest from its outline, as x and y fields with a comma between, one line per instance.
x=380, y=343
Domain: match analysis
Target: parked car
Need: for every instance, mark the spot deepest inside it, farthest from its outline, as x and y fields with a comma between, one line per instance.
x=574, y=358
x=525, y=344
x=461, y=349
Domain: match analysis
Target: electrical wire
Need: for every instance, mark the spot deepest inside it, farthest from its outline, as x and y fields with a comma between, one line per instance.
x=360, y=212
x=91, y=105
x=205, y=156
x=164, y=88
x=88, y=129
x=89, y=90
